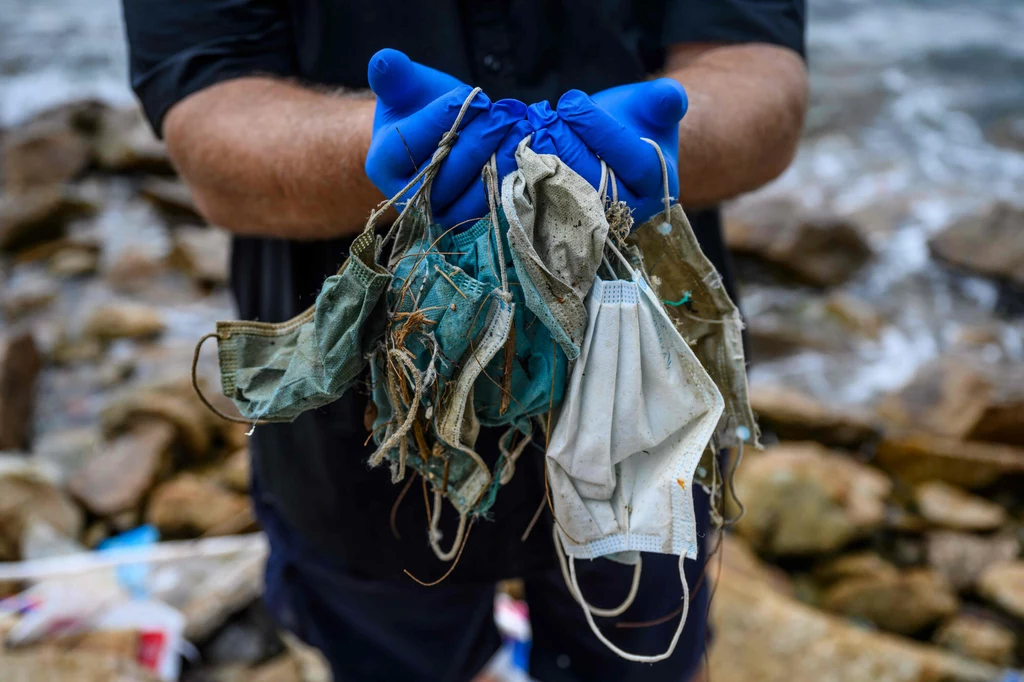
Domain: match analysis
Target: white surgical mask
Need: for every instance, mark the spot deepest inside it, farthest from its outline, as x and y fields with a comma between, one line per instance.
x=638, y=413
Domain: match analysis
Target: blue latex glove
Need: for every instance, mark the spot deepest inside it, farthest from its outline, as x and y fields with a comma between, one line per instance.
x=611, y=124
x=416, y=106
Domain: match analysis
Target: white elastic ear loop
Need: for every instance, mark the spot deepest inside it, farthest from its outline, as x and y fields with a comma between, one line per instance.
x=603, y=613
x=624, y=654
x=434, y=534
x=573, y=587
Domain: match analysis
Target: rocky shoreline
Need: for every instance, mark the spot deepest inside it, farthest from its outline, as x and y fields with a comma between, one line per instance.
x=880, y=542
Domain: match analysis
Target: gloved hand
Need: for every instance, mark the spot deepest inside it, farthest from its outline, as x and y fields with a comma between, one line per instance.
x=611, y=124
x=416, y=106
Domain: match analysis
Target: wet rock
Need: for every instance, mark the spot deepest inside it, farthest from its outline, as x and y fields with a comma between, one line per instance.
x=119, y=475
x=20, y=363
x=816, y=249
x=855, y=314
x=203, y=253
x=37, y=216
x=27, y=492
x=958, y=398
x=763, y=636
x=188, y=506
x=42, y=154
x=962, y=557
x=191, y=428
x=1003, y=585
x=132, y=269
x=859, y=566
x=803, y=499
x=235, y=471
x=919, y=457
x=979, y=638
x=172, y=197
x=947, y=506
x=991, y=243
x=1007, y=132
x=66, y=450
x=125, y=142
x=27, y=294
x=281, y=669
x=904, y=603
x=793, y=415
x=74, y=262
x=123, y=320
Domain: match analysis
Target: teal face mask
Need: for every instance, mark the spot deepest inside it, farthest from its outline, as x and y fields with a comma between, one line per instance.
x=274, y=372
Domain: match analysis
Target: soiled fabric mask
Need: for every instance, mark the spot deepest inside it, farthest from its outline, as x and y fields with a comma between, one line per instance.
x=537, y=366
x=274, y=372
x=638, y=413
x=557, y=230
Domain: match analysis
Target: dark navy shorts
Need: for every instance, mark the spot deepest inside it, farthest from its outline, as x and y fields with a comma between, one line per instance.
x=398, y=631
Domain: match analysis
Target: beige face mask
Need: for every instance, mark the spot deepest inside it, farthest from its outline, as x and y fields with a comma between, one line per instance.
x=557, y=229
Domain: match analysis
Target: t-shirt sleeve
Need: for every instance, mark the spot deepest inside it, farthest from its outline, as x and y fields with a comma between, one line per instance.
x=778, y=22
x=177, y=47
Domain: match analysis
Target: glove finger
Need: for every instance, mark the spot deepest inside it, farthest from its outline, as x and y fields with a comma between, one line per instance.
x=403, y=86
x=634, y=161
x=397, y=152
x=471, y=152
x=559, y=139
x=472, y=204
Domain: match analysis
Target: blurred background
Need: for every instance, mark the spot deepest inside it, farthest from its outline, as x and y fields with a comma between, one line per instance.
x=883, y=287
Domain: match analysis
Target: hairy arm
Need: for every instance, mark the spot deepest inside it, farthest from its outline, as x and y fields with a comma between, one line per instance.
x=271, y=158
x=747, y=105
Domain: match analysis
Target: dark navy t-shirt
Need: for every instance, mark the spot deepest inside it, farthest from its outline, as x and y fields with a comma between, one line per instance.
x=313, y=472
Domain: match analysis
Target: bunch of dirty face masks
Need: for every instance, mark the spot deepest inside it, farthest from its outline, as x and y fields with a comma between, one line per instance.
x=541, y=312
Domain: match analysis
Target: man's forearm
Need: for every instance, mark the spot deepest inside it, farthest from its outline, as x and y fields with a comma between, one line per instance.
x=271, y=158
x=747, y=105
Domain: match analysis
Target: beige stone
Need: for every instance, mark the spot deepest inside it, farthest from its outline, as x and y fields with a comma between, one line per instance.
x=74, y=262
x=963, y=557
x=204, y=253
x=904, y=603
x=234, y=473
x=814, y=248
x=855, y=566
x=978, y=638
x=1003, y=585
x=187, y=417
x=43, y=153
x=948, y=506
x=956, y=397
x=793, y=415
x=125, y=142
x=38, y=215
x=123, y=320
x=802, y=499
x=123, y=471
x=188, y=505
x=26, y=295
x=764, y=636
x=917, y=457
x=172, y=197
x=27, y=492
x=20, y=363
x=991, y=243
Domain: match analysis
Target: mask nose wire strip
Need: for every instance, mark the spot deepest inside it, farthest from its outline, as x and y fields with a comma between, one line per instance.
x=199, y=391
x=600, y=613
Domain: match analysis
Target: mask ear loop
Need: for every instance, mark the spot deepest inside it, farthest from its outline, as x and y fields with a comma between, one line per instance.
x=199, y=391
x=601, y=613
x=666, y=197
x=427, y=174
x=434, y=533
x=575, y=589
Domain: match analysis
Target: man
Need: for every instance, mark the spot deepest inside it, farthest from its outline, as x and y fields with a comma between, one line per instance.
x=264, y=108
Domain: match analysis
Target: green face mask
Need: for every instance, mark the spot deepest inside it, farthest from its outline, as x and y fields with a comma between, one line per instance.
x=274, y=372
